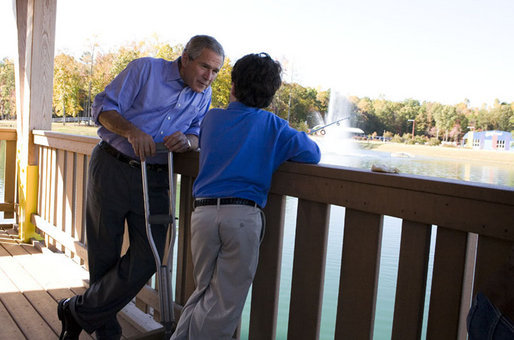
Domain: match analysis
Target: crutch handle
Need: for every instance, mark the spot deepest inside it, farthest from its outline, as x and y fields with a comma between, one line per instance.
x=161, y=148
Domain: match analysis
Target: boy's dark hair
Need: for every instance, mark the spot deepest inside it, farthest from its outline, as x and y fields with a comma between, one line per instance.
x=256, y=78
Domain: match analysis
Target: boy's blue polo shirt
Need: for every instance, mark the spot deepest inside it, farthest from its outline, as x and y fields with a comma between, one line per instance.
x=240, y=149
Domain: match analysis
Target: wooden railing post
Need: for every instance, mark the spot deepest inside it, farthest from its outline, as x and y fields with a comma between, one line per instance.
x=185, y=280
x=359, y=275
x=34, y=74
x=308, y=270
x=265, y=289
x=412, y=280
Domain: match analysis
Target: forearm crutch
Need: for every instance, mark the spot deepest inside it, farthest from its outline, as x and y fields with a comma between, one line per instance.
x=164, y=267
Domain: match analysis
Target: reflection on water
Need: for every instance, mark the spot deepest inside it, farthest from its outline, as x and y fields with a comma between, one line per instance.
x=466, y=170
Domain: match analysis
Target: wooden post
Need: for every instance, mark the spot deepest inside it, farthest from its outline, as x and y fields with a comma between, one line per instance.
x=34, y=84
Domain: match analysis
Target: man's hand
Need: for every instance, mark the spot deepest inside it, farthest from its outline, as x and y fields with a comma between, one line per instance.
x=142, y=143
x=178, y=142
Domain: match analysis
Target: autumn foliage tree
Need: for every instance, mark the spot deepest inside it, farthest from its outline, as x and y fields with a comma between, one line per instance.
x=78, y=81
x=7, y=89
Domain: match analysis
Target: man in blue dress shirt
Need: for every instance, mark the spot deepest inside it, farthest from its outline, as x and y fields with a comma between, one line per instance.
x=240, y=149
x=151, y=101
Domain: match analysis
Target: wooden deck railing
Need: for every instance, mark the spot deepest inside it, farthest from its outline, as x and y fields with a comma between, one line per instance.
x=8, y=141
x=475, y=229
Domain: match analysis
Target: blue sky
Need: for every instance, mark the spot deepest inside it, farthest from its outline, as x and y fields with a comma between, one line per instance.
x=433, y=50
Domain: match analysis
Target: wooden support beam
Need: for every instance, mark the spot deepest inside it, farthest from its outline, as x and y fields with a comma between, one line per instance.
x=34, y=81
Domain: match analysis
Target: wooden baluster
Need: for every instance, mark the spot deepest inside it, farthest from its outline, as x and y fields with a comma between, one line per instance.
x=359, y=275
x=308, y=270
x=412, y=280
x=265, y=289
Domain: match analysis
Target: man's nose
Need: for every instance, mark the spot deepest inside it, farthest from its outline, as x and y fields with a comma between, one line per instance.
x=209, y=75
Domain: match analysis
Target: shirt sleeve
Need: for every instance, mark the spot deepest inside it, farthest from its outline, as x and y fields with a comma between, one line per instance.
x=119, y=95
x=303, y=149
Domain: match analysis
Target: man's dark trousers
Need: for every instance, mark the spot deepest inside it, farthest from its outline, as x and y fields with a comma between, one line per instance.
x=114, y=195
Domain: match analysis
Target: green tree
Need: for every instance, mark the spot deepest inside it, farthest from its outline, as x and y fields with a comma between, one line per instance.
x=500, y=116
x=103, y=72
x=445, y=118
x=7, y=89
x=221, y=86
x=68, y=86
x=410, y=109
x=125, y=55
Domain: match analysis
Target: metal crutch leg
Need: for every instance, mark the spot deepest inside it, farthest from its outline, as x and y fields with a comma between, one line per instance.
x=164, y=267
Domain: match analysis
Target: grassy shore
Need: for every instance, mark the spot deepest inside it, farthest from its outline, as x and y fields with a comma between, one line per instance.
x=505, y=158
x=76, y=129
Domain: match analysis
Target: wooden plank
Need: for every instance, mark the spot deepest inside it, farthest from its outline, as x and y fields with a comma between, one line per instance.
x=138, y=320
x=59, y=199
x=74, y=143
x=41, y=182
x=60, y=236
x=26, y=276
x=31, y=324
x=185, y=282
x=52, y=188
x=458, y=205
x=308, y=270
x=318, y=174
x=22, y=26
x=69, y=190
x=412, y=280
x=266, y=284
x=54, y=270
x=467, y=286
x=491, y=255
x=33, y=291
x=8, y=134
x=447, y=283
x=45, y=189
x=359, y=275
x=10, y=175
x=36, y=25
x=7, y=208
x=80, y=198
x=9, y=329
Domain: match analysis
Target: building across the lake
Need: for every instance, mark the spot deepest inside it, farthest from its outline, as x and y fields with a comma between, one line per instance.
x=488, y=140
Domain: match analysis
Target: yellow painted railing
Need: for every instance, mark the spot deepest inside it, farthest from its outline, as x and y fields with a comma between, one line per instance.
x=475, y=230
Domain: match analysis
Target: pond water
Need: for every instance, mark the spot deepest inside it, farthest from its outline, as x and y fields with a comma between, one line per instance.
x=352, y=156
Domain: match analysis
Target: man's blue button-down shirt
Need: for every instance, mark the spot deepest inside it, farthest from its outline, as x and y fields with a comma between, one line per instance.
x=150, y=94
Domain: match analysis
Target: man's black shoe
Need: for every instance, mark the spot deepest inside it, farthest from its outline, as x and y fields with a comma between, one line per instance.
x=70, y=328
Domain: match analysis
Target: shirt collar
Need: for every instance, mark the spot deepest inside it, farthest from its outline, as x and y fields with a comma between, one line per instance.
x=174, y=74
x=240, y=106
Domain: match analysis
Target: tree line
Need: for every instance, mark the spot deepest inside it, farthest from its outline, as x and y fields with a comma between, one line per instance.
x=77, y=81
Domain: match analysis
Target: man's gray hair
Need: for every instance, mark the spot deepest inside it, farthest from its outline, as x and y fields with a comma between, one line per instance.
x=197, y=43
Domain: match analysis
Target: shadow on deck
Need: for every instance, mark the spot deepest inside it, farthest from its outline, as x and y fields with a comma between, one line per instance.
x=33, y=281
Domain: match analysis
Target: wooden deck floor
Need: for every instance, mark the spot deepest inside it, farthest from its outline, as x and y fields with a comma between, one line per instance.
x=32, y=281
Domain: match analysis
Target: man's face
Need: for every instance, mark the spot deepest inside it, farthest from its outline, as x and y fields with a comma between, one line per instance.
x=198, y=74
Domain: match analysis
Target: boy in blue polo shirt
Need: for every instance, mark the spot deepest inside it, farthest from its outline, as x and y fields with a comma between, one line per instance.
x=240, y=148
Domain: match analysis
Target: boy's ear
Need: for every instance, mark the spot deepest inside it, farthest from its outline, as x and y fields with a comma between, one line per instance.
x=232, y=94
